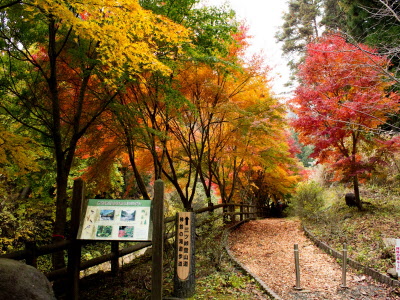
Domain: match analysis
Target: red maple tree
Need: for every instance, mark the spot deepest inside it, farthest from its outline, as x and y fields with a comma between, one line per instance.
x=341, y=101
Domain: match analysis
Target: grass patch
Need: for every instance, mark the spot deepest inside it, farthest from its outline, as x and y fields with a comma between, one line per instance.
x=365, y=232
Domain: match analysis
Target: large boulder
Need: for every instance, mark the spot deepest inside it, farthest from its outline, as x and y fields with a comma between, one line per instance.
x=23, y=282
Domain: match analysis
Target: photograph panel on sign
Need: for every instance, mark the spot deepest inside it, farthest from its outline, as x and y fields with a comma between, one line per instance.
x=104, y=231
x=128, y=215
x=107, y=214
x=126, y=231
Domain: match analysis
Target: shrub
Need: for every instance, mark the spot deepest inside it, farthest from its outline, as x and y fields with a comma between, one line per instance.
x=308, y=200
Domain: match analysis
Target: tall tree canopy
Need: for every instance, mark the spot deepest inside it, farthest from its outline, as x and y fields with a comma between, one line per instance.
x=300, y=27
x=207, y=124
x=342, y=99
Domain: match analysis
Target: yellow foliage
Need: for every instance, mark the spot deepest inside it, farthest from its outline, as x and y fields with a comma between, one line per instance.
x=128, y=37
x=17, y=155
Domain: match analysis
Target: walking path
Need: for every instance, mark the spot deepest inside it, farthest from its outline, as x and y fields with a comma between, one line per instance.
x=265, y=247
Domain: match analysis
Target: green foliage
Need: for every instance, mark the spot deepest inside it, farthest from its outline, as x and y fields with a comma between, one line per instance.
x=18, y=154
x=379, y=30
x=210, y=245
x=24, y=221
x=212, y=28
x=299, y=28
x=308, y=201
x=305, y=151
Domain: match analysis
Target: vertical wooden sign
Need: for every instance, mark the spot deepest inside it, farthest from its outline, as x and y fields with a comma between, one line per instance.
x=184, y=279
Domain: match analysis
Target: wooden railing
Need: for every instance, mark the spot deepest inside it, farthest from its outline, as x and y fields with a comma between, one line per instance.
x=32, y=252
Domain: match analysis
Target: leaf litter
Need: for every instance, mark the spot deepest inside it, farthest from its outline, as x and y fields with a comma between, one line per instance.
x=266, y=248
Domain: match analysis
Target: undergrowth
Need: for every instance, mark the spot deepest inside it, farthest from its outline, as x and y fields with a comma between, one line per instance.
x=369, y=234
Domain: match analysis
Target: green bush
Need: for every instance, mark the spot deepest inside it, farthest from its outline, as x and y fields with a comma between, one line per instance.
x=307, y=201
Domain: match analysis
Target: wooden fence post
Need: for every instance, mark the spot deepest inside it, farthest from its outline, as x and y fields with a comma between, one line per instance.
x=158, y=241
x=211, y=205
x=233, y=216
x=31, y=258
x=241, y=211
x=115, y=258
x=74, y=250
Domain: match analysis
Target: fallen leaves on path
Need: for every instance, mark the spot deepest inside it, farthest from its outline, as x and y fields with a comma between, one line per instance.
x=266, y=248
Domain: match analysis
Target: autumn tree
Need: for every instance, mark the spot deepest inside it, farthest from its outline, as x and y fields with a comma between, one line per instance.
x=214, y=115
x=64, y=62
x=143, y=116
x=231, y=123
x=342, y=99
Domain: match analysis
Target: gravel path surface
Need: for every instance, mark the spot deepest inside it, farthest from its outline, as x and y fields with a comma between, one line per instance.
x=265, y=247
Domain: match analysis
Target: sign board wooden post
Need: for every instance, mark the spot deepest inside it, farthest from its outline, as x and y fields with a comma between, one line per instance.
x=158, y=241
x=74, y=250
x=397, y=253
x=184, y=279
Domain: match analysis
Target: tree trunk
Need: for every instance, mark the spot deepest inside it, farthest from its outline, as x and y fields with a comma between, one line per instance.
x=61, y=216
x=139, y=180
x=357, y=193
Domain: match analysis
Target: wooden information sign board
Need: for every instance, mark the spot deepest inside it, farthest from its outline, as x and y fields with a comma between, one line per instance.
x=116, y=220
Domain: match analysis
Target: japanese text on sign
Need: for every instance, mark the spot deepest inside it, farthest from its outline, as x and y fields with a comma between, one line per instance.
x=397, y=253
x=183, y=244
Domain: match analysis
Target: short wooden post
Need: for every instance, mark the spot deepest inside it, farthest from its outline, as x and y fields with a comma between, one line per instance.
x=241, y=211
x=344, y=266
x=297, y=267
x=158, y=240
x=115, y=258
x=74, y=250
x=184, y=278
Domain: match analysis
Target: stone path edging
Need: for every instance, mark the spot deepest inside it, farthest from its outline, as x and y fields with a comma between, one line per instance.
x=267, y=289
x=351, y=262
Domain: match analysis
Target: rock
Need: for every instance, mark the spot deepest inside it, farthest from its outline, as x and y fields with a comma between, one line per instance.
x=392, y=273
x=350, y=199
x=389, y=242
x=23, y=282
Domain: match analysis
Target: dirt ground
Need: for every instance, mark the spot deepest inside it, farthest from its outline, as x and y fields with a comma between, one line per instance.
x=266, y=248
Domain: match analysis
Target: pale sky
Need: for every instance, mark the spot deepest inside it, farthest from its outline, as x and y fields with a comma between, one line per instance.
x=263, y=18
